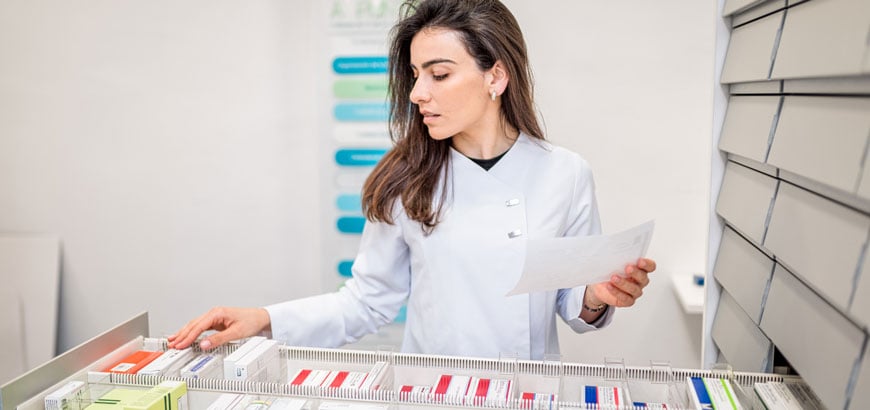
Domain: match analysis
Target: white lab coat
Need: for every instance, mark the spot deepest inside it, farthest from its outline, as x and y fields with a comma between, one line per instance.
x=455, y=279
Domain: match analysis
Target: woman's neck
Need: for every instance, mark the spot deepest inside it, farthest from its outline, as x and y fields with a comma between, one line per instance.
x=485, y=145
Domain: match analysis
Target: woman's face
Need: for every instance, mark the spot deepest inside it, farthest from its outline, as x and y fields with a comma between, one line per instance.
x=450, y=91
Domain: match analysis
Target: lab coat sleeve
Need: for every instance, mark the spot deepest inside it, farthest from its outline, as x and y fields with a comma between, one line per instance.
x=583, y=220
x=371, y=299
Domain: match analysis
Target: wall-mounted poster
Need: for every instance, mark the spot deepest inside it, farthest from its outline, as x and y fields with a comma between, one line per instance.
x=353, y=131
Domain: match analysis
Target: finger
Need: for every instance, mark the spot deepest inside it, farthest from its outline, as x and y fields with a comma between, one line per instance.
x=642, y=280
x=621, y=298
x=627, y=286
x=217, y=339
x=182, y=339
x=194, y=328
x=640, y=276
x=176, y=340
x=648, y=265
x=635, y=274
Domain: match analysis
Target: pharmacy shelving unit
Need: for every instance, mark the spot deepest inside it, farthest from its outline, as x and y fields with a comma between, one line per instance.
x=792, y=264
x=658, y=383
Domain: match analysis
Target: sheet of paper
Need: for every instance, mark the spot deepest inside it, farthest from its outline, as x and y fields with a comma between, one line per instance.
x=556, y=263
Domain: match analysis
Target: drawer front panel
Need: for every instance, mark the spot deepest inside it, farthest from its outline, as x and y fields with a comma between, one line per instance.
x=818, y=341
x=743, y=271
x=820, y=240
x=745, y=199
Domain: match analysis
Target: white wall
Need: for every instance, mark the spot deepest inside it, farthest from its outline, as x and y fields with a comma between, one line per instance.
x=171, y=146
x=628, y=85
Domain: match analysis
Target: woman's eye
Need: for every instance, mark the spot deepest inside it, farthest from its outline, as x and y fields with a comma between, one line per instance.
x=439, y=77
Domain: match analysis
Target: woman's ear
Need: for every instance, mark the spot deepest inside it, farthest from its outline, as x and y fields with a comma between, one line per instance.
x=498, y=77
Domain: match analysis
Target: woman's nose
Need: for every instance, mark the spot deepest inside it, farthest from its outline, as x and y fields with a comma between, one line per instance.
x=419, y=93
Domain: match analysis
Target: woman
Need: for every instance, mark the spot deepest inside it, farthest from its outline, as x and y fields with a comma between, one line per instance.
x=451, y=206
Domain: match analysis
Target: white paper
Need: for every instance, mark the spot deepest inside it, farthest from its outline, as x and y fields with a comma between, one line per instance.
x=557, y=263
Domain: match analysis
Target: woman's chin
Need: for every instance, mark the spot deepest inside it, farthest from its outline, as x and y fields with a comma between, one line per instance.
x=435, y=135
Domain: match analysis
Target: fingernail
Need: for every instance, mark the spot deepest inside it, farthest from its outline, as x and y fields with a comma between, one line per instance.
x=205, y=344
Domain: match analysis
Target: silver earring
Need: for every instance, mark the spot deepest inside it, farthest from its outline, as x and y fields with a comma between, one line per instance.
x=492, y=95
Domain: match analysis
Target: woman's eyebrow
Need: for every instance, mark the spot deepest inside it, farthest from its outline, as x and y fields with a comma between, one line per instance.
x=435, y=61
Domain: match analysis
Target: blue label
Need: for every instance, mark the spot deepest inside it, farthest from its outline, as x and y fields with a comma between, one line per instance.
x=591, y=395
x=359, y=157
x=350, y=202
x=701, y=393
x=360, y=65
x=350, y=224
x=344, y=268
x=201, y=363
x=361, y=112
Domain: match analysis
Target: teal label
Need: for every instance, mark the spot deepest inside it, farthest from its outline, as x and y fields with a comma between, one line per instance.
x=359, y=157
x=360, y=65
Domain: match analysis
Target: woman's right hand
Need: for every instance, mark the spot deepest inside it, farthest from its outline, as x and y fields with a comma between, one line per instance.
x=231, y=323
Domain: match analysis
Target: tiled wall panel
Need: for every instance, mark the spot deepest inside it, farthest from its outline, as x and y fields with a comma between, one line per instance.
x=823, y=138
x=796, y=190
x=817, y=339
x=750, y=50
x=739, y=338
x=820, y=240
x=744, y=271
x=824, y=38
x=745, y=199
x=748, y=125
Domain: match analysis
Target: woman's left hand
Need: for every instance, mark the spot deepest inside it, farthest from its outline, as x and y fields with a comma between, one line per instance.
x=623, y=291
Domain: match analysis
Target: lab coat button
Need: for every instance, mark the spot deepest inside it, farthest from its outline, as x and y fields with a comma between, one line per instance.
x=512, y=202
x=515, y=233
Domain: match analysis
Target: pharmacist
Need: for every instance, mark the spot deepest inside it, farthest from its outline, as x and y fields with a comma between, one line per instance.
x=469, y=180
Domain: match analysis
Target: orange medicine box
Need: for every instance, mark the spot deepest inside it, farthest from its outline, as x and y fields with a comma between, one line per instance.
x=134, y=362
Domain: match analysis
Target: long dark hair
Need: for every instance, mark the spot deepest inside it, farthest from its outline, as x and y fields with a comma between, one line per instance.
x=412, y=169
